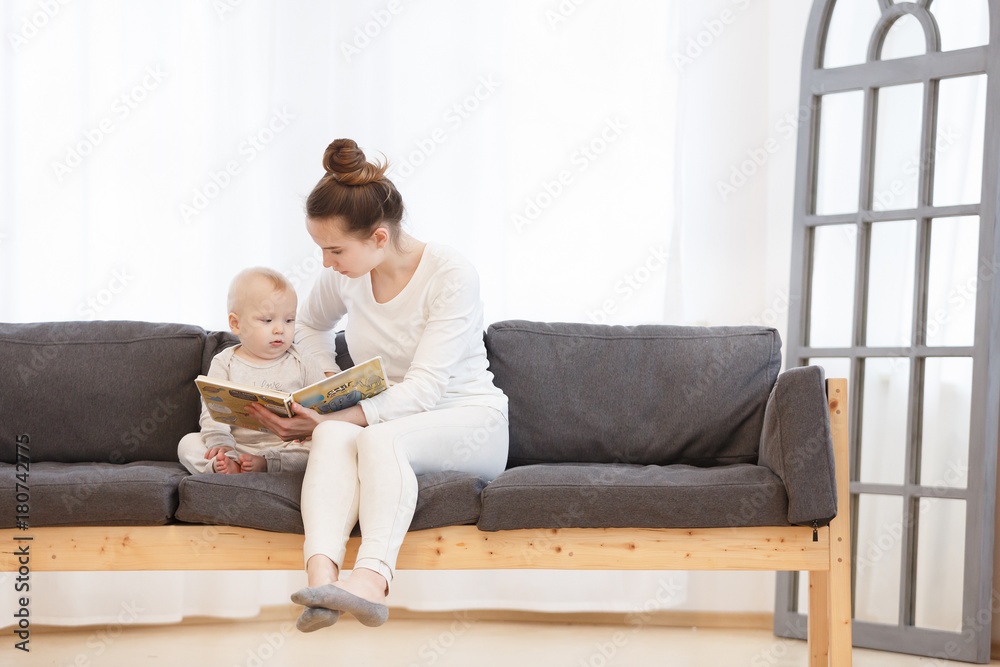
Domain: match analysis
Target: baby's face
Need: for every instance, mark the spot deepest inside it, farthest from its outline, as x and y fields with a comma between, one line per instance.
x=265, y=323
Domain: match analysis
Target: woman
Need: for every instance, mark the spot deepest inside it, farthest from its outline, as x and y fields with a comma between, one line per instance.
x=417, y=305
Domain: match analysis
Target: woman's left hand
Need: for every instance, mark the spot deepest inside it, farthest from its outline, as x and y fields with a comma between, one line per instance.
x=298, y=427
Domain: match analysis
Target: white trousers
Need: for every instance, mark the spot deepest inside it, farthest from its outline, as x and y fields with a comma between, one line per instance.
x=284, y=457
x=369, y=474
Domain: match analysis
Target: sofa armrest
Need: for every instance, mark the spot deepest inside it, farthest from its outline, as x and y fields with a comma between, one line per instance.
x=797, y=446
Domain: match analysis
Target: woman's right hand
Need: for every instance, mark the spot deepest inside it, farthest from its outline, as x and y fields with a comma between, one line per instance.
x=298, y=427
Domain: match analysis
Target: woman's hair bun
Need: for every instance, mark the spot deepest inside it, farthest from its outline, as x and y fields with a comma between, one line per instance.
x=346, y=163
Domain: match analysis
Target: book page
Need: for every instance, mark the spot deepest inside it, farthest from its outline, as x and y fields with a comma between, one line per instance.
x=227, y=402
x=344, y=389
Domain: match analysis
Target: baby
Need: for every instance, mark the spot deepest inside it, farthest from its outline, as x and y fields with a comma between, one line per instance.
x=261, y=307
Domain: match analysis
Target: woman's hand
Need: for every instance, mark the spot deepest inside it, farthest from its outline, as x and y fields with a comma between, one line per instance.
x=351, y=415
x=298, y=427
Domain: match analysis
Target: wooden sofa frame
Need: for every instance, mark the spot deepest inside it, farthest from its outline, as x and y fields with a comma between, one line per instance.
x=202, y=547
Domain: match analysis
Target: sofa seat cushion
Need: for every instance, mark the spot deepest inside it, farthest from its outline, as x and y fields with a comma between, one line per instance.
x=142, y=493
x=646, y=394
x=618, y=495
x=270, y=501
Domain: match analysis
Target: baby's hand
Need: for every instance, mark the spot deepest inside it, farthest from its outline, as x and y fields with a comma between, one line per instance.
x=214, y=451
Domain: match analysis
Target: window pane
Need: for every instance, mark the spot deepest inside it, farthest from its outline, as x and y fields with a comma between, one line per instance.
x=851, y=25
x=883, y=419
x=963, y=23
x=952, y=281
x=940, y=564
x=802, y=601
x=904, y=39
x=833, y=367
x=897, y=146
x=880, y=533
x=838, y=168
x=831, y=313
x=958, y=167
x=890, y=283
x=944, y=449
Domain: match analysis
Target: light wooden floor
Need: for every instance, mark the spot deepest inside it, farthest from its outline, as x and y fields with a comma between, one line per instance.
x=441, y=642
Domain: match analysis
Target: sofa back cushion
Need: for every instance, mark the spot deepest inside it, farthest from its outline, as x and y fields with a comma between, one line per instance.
x=103, y=391
x=646, y=394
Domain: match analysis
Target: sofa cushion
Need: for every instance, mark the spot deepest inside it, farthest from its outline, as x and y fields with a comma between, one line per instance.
x=94, y=494
x=632, y=496
x=111, y=392
x=270, y=501
x=646, y=394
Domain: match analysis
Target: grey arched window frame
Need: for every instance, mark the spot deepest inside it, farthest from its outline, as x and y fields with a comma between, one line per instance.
x=973, y=642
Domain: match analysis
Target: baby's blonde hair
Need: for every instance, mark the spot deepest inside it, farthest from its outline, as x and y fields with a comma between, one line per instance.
x=243, y=279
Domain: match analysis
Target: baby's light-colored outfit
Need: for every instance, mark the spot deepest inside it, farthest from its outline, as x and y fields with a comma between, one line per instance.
x=294, y=370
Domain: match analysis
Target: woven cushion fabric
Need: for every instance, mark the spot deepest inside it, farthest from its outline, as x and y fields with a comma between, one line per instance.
x=646, y=394
x=105, y=391
x=142, y=493
x=215, y=342
x=270, y=501
x=797, y=445
x=343, y=358
x=607, y=495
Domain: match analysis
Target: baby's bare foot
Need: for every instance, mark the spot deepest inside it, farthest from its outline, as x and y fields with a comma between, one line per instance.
x=224, y=464
x=251, y=463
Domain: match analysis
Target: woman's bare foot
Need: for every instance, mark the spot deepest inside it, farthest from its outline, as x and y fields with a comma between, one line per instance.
x=321, y=570
x=223, y=464
x=251, y=463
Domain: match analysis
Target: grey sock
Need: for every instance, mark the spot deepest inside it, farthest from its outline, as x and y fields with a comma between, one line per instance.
x=333, y=597
x=314, y=618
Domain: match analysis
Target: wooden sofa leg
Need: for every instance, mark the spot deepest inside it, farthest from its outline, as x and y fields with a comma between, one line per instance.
x=819, y=619
x=839, y=590
x=840, y=607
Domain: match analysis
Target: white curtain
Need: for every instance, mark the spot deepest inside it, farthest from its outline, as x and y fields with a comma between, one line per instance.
x=574, y=151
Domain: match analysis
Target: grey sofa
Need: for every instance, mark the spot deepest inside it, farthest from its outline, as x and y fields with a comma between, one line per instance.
x=632, y=448
x=610, y=426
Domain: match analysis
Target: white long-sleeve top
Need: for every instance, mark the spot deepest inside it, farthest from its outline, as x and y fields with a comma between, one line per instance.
x=430, y=335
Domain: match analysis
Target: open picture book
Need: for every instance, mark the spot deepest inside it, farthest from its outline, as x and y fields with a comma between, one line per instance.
x=227, y=401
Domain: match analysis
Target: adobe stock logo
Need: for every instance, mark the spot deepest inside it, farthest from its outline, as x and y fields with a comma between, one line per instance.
x=249, y=150
x=32, y=24
x=454, y=116
x=582, y=158
x=121, y=109
x=712, y=29
x=96, y=303
x=363, y=35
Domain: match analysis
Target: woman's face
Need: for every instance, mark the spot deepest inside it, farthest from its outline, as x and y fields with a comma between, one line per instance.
x=346, y=254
